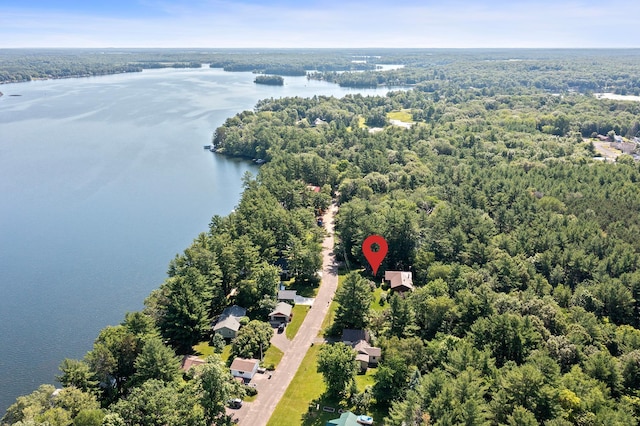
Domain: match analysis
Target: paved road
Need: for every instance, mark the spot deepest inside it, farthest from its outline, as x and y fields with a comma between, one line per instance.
x=258, y=412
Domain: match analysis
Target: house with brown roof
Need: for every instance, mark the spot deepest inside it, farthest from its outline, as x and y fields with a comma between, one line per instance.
x=244, y=368
x=399, y=281
x=190, y=361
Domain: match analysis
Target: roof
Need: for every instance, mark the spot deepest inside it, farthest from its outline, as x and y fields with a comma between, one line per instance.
x=231, y=323
x=351, y=335
x=363, y=347
x=234, y=311
x=191, y=361
x=282, y=308
x=243, y=364
x=346, y=419
x=362, y=358
x=287, y=295
x=398, y=279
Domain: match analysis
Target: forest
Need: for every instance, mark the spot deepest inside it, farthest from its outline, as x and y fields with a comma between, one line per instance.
x=524, y=249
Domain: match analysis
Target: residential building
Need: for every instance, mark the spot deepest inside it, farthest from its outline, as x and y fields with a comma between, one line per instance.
x=228, y=323
x=244, y=368
x=399, y=281
x=283, y=312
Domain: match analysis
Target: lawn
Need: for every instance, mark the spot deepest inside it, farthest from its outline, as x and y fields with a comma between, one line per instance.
x=273, y=356
x=404, y=116
x=375, y=302
x=306, y=388
x=299, y=314
x=204, y=349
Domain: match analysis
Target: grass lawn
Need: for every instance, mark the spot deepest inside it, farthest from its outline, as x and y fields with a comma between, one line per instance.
x=404, y=116
x=306, y=388
x=299, y=314
x=204, y=349
x=304, y=288
x=366, y=379
x=273, y=356
x=375, y=303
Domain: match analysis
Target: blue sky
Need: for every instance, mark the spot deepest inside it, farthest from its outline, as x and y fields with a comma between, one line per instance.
x=315, y=23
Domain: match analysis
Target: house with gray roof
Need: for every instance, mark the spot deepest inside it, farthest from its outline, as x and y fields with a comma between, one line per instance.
x=228, y=323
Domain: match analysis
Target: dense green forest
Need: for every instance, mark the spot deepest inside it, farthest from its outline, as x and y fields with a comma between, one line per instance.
x=524, y=252
x=272, y=80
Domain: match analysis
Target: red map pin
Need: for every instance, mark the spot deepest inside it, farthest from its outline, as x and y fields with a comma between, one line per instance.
x=375, y=258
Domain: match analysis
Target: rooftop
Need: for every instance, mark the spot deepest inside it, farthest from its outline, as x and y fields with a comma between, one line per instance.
x=243, y=364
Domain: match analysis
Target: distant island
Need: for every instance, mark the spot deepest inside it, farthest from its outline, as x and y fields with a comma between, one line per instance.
x=272, y=80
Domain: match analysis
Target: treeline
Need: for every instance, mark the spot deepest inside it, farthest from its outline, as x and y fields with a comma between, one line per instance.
x=132, y=374
x=524, y=251
x=584, y=71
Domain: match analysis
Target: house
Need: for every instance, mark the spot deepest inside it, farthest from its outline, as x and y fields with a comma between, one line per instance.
x=244, y=368
x=346, y=419
x=227, y=327
x=352, y=336
x=282, y=313
x=399, y=281
x=228, y=323
x=368, y=354
x=191, y=361
x=288, y=296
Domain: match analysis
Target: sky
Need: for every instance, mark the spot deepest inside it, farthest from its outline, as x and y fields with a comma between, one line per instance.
x=317, y=24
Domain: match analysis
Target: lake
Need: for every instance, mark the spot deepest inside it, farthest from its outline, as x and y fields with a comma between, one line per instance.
x=103, y=181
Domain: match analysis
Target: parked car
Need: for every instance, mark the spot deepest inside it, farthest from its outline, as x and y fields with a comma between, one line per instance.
x=365, y=420
x=281, y=327
x=235, y=403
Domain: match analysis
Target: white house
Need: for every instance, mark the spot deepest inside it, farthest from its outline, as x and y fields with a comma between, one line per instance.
x=244, y=368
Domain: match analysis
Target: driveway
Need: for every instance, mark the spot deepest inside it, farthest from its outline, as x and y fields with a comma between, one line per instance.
x=258, y=412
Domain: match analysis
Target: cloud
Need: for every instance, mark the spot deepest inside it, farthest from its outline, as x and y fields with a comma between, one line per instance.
x=249, y=23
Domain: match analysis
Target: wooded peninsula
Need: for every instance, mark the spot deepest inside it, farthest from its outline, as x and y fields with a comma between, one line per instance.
x=482, y=172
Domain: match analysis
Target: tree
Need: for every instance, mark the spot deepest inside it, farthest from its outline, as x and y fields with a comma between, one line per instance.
x=73, y=400
x=186, y=317
x=156, y=361
x=77, y=373
x=89, y=418
x=338, y=366
x=112, y=358
x=156, y=403
x=214, y=383
x=354, y=298
x=401, y=317
x=28, y=407
x=391, y=379
x=252, y=340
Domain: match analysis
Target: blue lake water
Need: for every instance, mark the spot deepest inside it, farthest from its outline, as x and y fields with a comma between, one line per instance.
x=102, y=181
